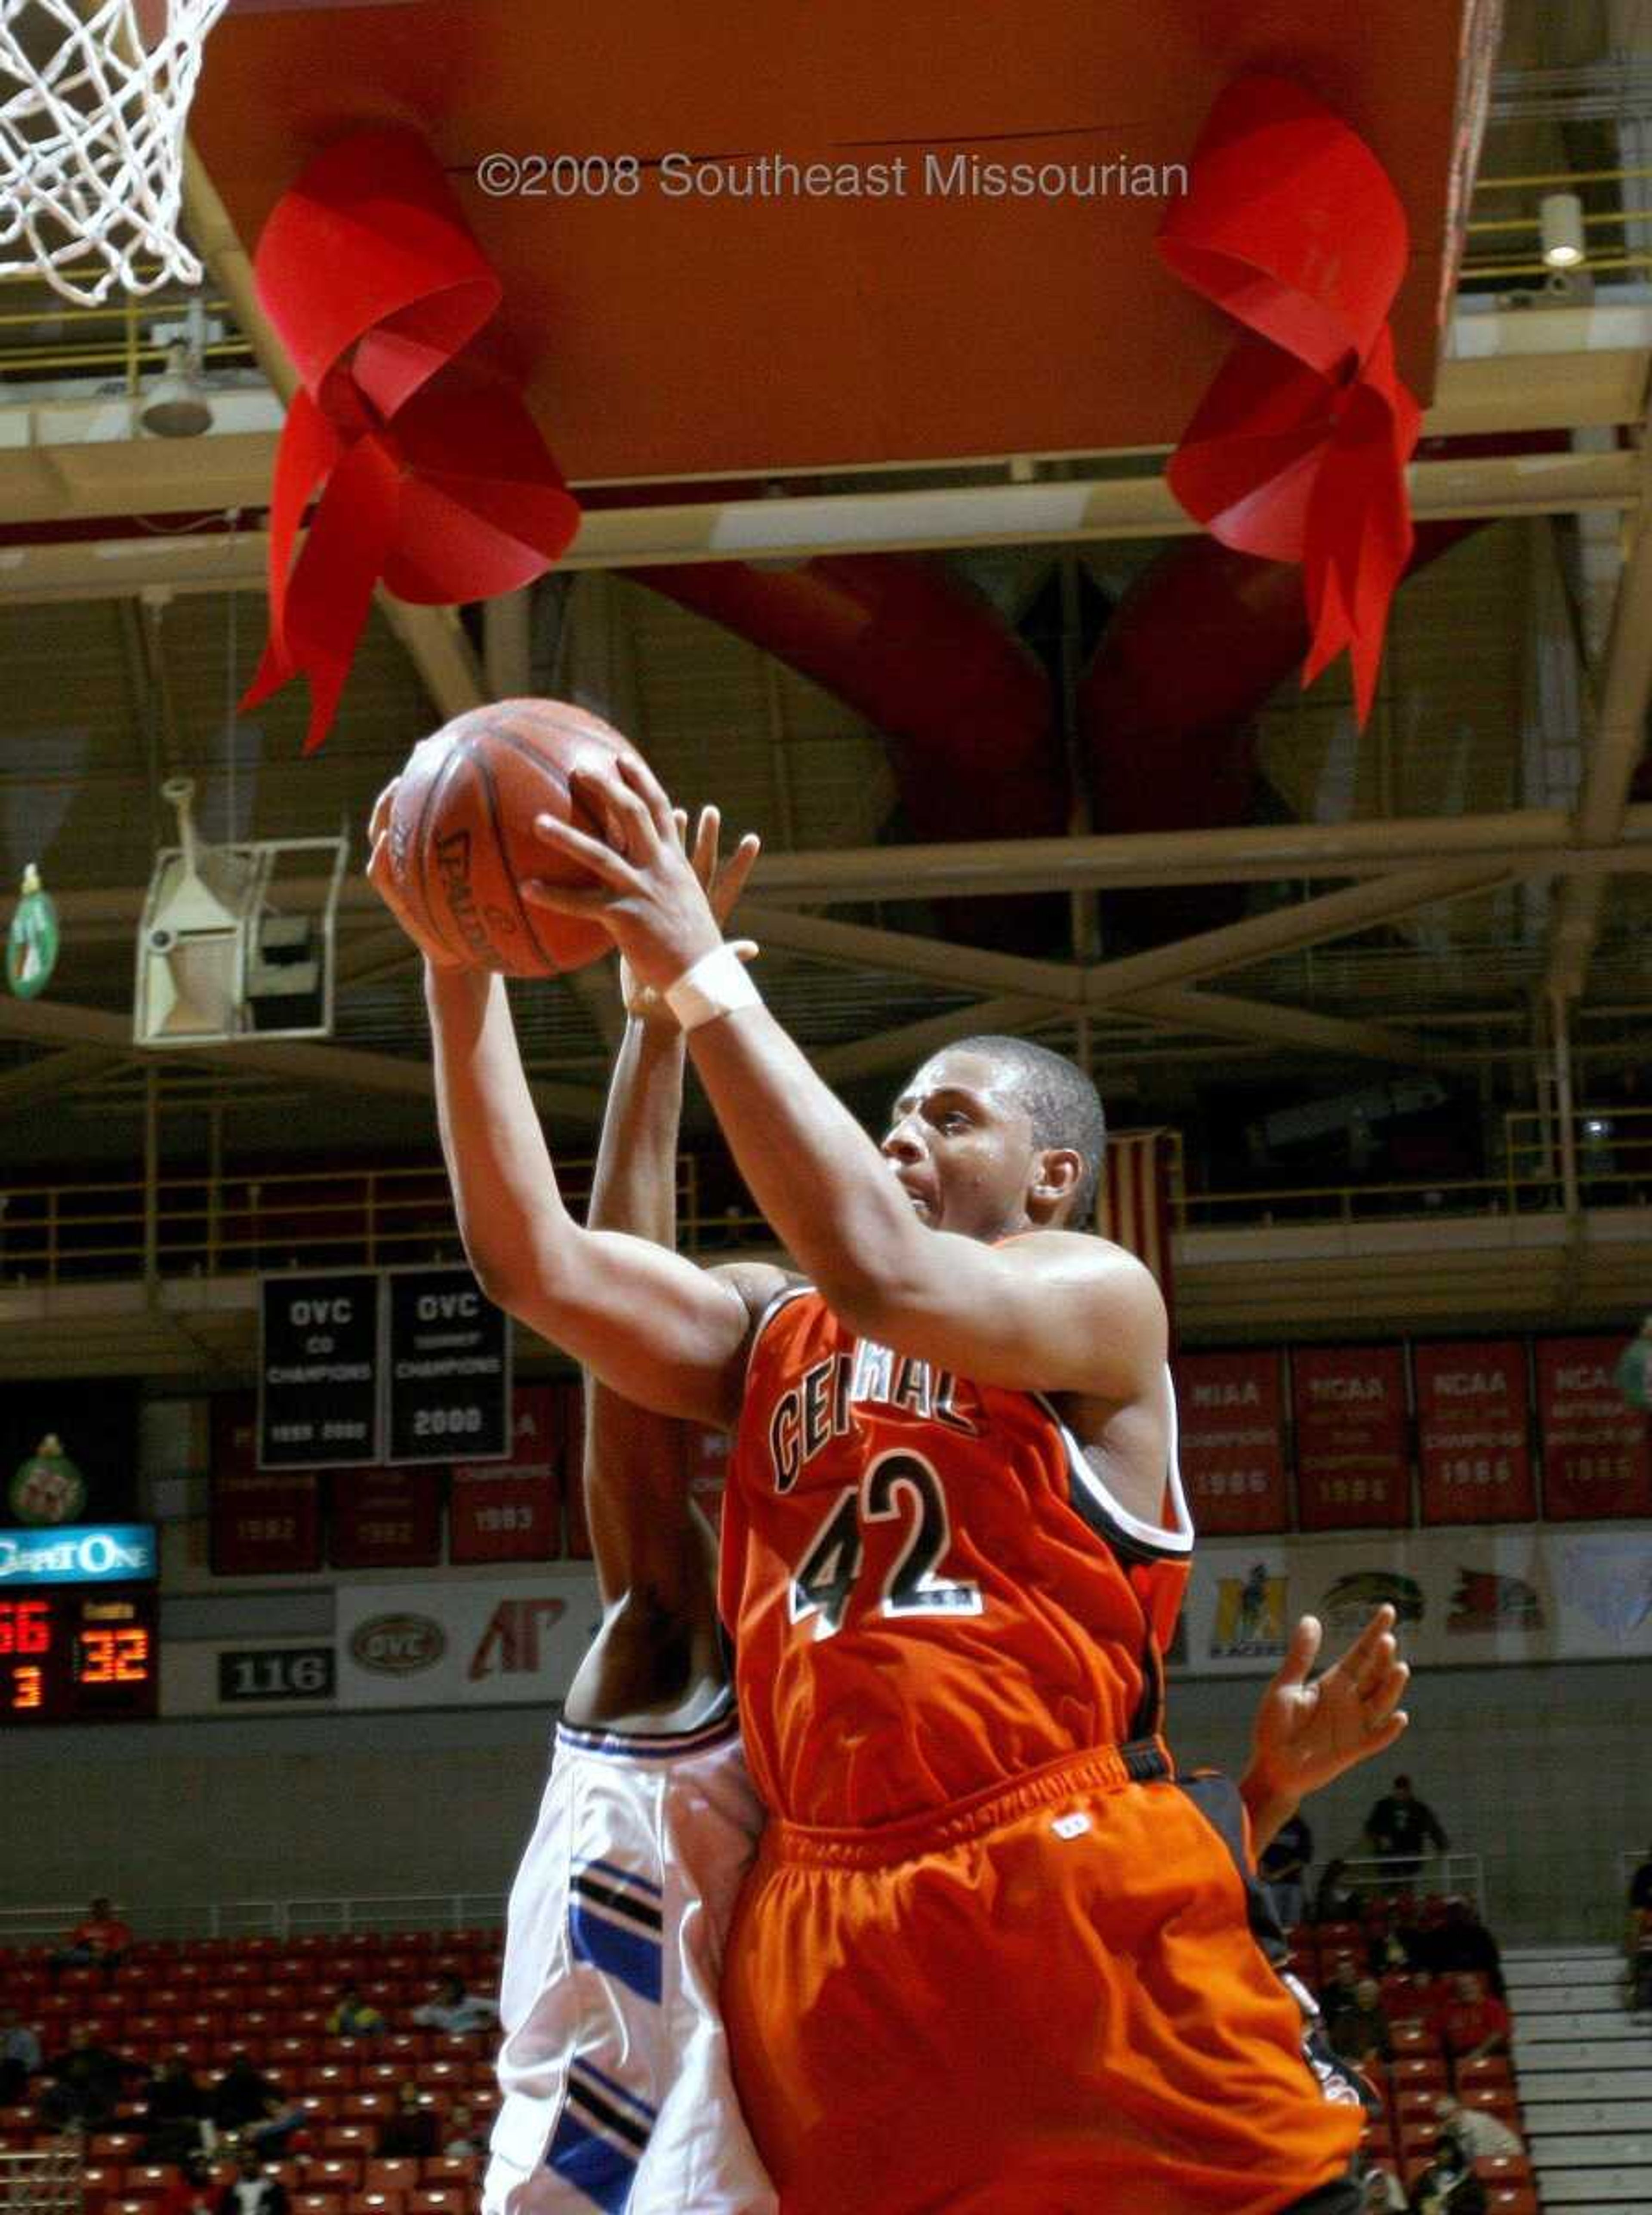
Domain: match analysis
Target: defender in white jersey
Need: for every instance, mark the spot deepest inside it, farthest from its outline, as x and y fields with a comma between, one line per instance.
x=614, y=2068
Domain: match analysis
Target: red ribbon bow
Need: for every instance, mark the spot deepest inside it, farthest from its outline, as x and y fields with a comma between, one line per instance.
x=430, y=472
x=1298, y=452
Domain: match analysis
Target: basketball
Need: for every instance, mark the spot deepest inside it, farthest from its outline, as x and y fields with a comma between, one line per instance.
x=462, y=836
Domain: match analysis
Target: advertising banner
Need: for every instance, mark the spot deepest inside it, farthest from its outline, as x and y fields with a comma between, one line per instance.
x=462, y=1642
x=1464, y=1598
x=1231, y=1423
x=1352, y=1465
x=1473, y=1432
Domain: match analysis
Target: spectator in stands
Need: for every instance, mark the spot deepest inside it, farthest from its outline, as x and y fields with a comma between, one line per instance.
x=409, y=2131
x=354, y=2017
x=1449, y=2186
x=192, y=2190
x=251, y=2191
x=1400, y=1829
x=1473, y=2024
x=174, y=2112
x=462, y=2137
x=85, y=2083
x=1640, y=1887
x=456, y=2010
x=1283, y=1869
x=1460, y=1940
x=247, y=2104
x=1383, y=2195
x=1480, y=2134
x=19, y=2058
x=242, y=2097
x=1336, y=1901
x=99, y=1941
x=1360, y=2033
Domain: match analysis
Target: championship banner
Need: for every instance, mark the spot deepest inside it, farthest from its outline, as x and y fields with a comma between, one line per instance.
x=449, y=1370
x=260, y=1522
x=1473, y=1432
x=386, y=1518
x=1230, y=1441
x=1467, y=1597
x=510, y=1511
x=465, y=1642
x=1353, y=1466
x=1595, y=1461
x=318, y=1371
x=1133, y=1204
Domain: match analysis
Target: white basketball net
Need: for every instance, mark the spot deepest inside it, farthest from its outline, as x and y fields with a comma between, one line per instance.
x=91, y=140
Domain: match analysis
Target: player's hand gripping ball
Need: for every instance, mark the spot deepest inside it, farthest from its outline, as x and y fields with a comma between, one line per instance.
x=457, y=837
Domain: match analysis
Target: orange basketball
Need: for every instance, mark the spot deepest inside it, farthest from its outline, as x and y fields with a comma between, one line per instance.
x=461, y=834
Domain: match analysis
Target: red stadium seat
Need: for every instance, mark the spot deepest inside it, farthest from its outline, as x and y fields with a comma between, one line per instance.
x=311, y=2202
x=1511, y=2200
x=357, y=2139
x=385, y=2174
x=378, y=2203
x=112, y=2145
x=1504, y=2168
x=436, y=2200
x=374, y=2104
x=1412, y=2069
x=1496, y=2069
x=330, y=2173
x=449, y=2169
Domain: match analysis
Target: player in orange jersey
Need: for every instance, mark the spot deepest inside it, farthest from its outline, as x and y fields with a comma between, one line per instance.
x=995, y=1954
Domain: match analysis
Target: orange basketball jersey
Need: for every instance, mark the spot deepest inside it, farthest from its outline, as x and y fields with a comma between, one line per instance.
x=931, y=1591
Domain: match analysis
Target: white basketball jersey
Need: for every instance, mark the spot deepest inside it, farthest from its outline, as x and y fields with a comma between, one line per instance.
x=614, y=2068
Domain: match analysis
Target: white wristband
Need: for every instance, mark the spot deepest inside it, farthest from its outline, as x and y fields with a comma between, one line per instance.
x=718, y=983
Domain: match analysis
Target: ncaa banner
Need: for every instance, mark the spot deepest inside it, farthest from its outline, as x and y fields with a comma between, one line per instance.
x=385, y=1518
x=1474, y=1432
x=1595, y=1461
x=1353, y=1456
x=470, y=1642
x=1230, y=1441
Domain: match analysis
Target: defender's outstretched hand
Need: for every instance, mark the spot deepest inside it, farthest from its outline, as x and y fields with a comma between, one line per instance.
x=722, y=882
x=645, y=890
x=381, y=875
x=1310, y=1730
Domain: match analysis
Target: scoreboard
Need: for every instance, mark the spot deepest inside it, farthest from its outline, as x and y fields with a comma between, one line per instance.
x=78, y=1627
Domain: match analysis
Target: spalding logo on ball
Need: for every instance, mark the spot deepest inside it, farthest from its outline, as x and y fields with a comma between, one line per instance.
x=462, y=836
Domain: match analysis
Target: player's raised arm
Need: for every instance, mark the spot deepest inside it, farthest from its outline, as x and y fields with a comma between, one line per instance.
x=666, y=1334
x=650, y=1553
x=1052, y=1311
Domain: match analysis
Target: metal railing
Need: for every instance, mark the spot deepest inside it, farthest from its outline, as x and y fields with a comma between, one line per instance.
x=1614, y=1154
x=326, y=1915
x=52, y=1234
x=245, y=1225
x=1453, y=1874
x=47, y=2183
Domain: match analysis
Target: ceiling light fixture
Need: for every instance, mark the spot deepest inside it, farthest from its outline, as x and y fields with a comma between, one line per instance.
x=1560, y=216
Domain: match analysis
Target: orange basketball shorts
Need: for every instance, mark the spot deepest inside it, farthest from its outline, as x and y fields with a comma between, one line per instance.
x=1047, y=1998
